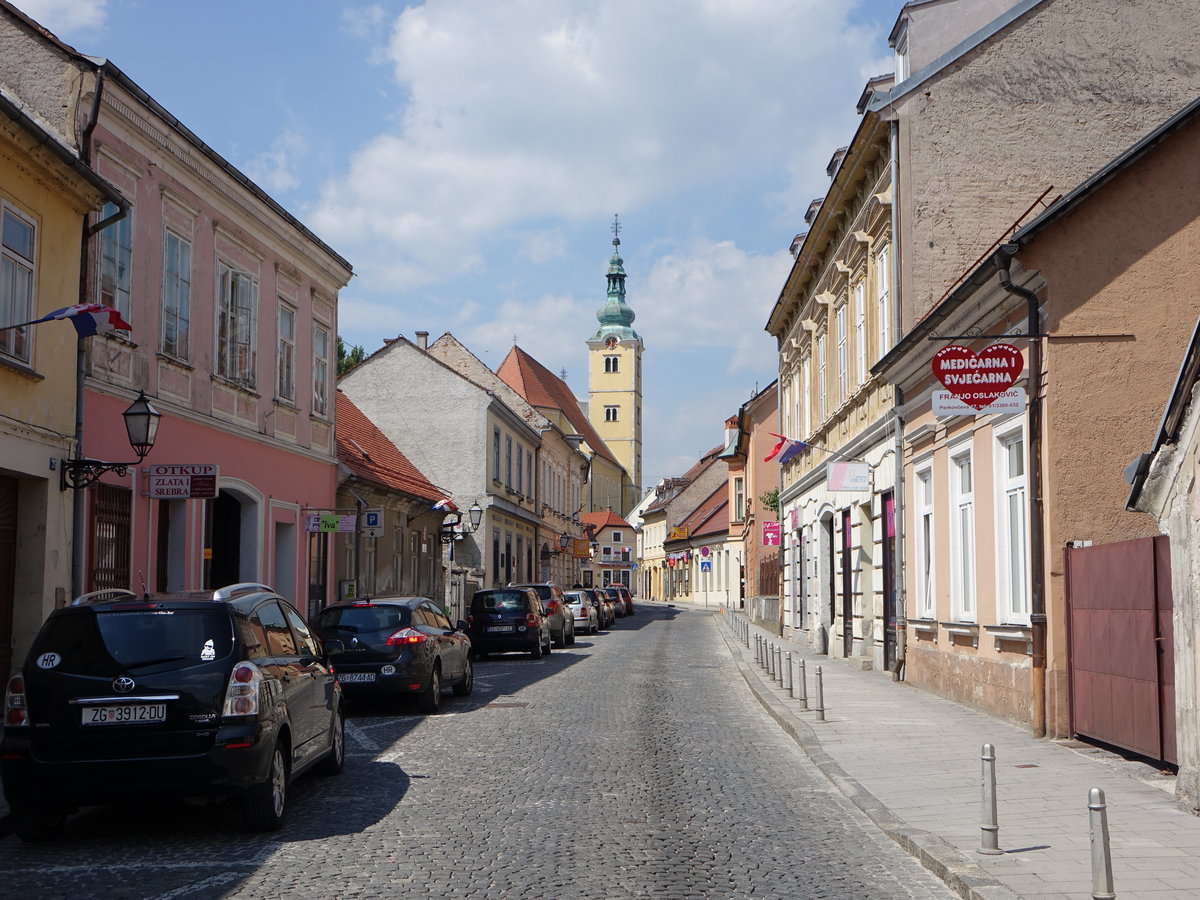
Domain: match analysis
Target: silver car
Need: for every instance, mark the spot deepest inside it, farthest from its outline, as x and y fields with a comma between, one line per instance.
x=586, y=619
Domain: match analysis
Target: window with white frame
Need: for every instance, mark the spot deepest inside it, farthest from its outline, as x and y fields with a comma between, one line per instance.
x=610, y=413
x=1012, y=529
x=860, y=334
x=821, y=383
x=320, y=371
x=962, y=537
x=495, y=454
x=237, y=300
x=883, y=298
x=287, y=352
x=924, y=541
x=612, y=364
x=739, y=498
x=116, y=261
x=617, y=537
x=18, y=262
x=841, y=355
x=508, y=461
x=520, y=469
x=177, y=295
x=805, y=406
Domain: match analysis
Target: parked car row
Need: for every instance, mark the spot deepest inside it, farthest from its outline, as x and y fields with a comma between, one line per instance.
x=228, y=693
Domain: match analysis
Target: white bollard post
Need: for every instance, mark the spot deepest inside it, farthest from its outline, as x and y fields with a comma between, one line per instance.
x=820, y=697
x=1102, y=878
x=989, y=836
x=790, y=685
x=802, y=677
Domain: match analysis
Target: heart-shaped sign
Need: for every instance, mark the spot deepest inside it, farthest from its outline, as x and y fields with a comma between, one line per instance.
x=978, y=379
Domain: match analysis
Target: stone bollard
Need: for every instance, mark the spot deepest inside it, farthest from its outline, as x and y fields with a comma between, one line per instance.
x=1102, y=878
x=989, y=837
x=820, y=697
x=802, y=678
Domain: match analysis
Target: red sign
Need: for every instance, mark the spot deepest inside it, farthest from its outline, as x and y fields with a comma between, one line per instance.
x=978, y=379
x=770, y=534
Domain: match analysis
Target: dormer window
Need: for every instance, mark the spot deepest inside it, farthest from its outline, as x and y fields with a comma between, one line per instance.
x=901, y=47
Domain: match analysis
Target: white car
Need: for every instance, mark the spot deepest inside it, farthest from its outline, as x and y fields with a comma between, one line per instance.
x=583, y=611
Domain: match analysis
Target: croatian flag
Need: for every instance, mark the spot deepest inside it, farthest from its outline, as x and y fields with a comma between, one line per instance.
x=88, y=318
x=446, y=504
x=789, y=447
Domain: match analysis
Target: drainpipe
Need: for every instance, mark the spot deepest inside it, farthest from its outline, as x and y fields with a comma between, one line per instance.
x=1037, y=549
x=901, y=610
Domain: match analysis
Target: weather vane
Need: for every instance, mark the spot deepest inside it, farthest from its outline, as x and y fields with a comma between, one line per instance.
x=616, y=230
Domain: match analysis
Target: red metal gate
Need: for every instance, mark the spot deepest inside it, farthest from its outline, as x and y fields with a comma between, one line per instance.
x=1119, y=643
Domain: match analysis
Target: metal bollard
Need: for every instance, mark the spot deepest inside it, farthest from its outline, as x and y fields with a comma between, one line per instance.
x=820, y=697
x=1102, y=879
x=989, y=836
x=758, y=648
x=790, y=685
x=802, y=677
x=779, y=667
x=771, y=660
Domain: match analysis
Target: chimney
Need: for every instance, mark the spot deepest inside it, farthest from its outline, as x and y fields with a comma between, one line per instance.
x=423, y=340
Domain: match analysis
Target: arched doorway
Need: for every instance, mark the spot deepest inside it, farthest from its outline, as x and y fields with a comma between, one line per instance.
x=230, y=539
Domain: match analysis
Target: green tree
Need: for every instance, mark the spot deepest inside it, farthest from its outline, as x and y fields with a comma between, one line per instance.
x=771, y=500
x=348, y=359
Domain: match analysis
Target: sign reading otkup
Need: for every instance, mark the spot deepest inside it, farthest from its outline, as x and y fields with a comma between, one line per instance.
x=182, y=482
x=978, y=379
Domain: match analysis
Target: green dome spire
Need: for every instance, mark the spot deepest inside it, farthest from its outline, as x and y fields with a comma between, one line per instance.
x=615, y=316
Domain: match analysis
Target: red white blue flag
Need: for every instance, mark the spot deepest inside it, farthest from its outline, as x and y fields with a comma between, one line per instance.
x=788, y=447
x=88, y=318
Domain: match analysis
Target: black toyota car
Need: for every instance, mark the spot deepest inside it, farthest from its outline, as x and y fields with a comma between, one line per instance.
x=126, y=698
x=397, y=645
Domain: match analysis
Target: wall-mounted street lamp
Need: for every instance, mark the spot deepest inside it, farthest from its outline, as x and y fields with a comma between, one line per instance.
x=563, y=540
x=450, y=525
x=476, y=515
x=141, y=423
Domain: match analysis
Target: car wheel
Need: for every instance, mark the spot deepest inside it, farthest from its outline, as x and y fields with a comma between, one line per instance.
x=536, y=652
x=34, y=824
x=430, y=699
x=571, y=636
x=336, y=760
x=464, y=687
x=264, y=804
x=561, y=640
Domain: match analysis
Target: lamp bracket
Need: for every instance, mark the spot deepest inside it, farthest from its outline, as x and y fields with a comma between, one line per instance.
x=83, y=473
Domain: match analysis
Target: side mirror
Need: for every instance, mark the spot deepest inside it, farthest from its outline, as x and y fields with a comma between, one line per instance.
x=462, y=625
x=332, y=648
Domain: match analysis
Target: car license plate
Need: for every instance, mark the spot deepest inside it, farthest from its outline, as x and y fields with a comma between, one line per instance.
x=499, y=628
x=349, y=677
x=125, y=714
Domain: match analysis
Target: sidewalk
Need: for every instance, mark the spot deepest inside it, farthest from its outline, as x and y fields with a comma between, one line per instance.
x=911, y=761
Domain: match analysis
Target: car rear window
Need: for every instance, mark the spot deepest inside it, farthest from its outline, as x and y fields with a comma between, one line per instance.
x=482, y=602
x=364, y=618
x=575, y=598
x=100, y=643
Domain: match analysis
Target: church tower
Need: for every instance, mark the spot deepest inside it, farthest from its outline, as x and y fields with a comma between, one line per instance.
x=615, y=376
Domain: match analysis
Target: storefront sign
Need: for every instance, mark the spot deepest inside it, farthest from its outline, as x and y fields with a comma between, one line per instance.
x=848, y=476
x=978, y=379
x=182, y=482
x=770, y=534
x=329, y=523
x=947, y=404
x=678, y=533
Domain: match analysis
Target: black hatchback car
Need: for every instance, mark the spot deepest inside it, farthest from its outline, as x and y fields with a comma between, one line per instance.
x=397, y=645
x=125, y=698
x=511, y=618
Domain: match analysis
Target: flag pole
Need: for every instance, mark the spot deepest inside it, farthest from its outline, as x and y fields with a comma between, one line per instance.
x=78, y=498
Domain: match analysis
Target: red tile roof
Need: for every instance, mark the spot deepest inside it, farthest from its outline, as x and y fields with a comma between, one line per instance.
x=366, y=451
x=604, y=519
x=541, y=387
x=711, y=516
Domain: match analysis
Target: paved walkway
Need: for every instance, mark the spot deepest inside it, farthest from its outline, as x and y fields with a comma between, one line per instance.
x=911, y=761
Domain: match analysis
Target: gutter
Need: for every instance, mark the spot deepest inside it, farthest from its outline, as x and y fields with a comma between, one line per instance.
x=1037, y=549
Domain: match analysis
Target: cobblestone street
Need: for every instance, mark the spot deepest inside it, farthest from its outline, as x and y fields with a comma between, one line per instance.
x=634, y=764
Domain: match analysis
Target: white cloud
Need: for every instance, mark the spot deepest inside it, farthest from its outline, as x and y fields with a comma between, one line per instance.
x=571, y=109
x=67, y=18
x=275, y=170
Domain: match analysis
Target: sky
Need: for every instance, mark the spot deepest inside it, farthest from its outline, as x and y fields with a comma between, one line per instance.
x=467, y=157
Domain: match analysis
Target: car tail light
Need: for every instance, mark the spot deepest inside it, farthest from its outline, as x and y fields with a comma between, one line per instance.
x=406, y=636
x=552, y=607
x=15, y=711
x=531, y=620
x=241, y=696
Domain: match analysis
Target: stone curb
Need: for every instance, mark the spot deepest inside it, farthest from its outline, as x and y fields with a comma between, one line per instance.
x=944, y=860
